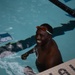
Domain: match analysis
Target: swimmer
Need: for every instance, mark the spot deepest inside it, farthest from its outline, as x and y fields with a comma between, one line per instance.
x=46, y=49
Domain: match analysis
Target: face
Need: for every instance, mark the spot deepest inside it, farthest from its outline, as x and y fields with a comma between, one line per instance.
x=42, y=37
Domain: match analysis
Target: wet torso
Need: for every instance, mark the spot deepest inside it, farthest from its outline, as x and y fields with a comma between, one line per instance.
x=46, y=55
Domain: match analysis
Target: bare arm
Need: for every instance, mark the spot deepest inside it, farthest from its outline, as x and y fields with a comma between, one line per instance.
x=54, y=58
x=25, y=55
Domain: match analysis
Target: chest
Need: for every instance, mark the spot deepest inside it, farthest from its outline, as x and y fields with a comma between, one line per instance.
x=42, y=55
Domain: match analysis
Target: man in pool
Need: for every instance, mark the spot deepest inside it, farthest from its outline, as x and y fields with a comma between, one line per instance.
x=46, y=49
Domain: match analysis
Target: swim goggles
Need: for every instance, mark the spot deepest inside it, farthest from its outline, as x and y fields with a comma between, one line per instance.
x=44, y=29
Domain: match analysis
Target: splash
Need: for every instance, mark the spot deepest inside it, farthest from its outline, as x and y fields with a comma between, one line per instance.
x=11, y=68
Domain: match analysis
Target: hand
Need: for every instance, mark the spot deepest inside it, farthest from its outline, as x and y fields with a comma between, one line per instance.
x=24, y=56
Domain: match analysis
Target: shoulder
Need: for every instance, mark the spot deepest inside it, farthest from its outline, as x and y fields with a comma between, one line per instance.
x=54, y=43
x=53, y=47
x=54, y=50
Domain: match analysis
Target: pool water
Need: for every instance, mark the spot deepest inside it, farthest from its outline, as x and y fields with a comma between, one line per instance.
x=19, y=18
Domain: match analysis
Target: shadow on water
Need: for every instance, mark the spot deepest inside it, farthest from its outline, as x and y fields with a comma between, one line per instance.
x=62, y=29
x=23, y=44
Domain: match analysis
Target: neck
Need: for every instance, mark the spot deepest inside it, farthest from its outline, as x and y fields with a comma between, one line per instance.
x=47, y=45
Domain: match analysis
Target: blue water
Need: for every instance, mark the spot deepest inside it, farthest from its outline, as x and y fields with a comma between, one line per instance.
x=20, y=17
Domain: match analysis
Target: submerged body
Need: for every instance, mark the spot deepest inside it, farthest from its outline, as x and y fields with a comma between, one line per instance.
x=28, y=71
x=47, y=52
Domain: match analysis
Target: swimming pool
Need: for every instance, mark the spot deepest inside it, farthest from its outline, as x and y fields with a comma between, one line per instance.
x=19, y=18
